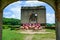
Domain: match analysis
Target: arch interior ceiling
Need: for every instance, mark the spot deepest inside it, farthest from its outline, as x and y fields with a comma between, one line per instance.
x=5, y=3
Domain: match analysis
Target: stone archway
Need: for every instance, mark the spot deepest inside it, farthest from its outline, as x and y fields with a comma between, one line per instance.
x=54, y=3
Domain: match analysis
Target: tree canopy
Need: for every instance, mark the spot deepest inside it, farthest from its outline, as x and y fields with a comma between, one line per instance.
x=11, y=21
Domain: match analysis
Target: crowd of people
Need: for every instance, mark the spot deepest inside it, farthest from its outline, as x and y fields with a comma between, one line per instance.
x=35, y=26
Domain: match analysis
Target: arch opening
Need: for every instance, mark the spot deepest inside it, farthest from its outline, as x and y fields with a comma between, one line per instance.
x=18, y=9
x=48, y=7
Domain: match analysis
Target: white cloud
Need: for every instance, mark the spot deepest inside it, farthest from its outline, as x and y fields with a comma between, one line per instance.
x=8, y=15
x=33, y=3
x=50, y=18
x=17, y=12
x=14, y=12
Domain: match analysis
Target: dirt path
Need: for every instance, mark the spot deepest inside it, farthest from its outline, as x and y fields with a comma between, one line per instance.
x=29, y=37
x=34, y=32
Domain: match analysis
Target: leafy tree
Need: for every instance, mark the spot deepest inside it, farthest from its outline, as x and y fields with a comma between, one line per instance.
x=11, y=21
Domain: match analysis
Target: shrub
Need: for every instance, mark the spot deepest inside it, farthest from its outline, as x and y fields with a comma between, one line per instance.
x=6, y=26
x=14, y=27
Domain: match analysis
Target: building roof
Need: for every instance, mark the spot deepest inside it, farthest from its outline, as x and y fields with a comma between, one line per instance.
x=38, y=7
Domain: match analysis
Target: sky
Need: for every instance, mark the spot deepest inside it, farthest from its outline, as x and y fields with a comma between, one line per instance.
x=13, y=10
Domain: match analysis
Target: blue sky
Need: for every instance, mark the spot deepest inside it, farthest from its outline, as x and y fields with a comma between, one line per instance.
x=13, y=10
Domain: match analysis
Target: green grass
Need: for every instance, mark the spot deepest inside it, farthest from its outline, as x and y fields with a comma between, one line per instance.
x=8, y=34
x=44, y=37
x=50, y=30
x=49, y=36
x=12, y=35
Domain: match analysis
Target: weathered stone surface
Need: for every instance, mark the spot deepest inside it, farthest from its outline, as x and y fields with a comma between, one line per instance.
x=50, y=2
x=58, y=20
x=27, y=11
x=58, y=11
x=5, y=3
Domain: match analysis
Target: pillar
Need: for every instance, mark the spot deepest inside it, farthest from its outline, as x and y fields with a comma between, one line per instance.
x=1, y=24
x=1, y=14
x=57, y=19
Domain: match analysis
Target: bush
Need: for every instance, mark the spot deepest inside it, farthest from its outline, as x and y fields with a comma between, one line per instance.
x=14, y=27
x=53, y=28
x=6, y=26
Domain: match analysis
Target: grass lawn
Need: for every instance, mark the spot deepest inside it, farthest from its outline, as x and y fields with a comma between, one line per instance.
x=12, y=35
x=49, y=36
x=44, y=37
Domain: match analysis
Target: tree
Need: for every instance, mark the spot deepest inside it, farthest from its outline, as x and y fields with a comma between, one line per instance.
x=11, y=21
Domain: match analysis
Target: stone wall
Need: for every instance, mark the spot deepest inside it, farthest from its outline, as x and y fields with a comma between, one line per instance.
x=41, y=14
